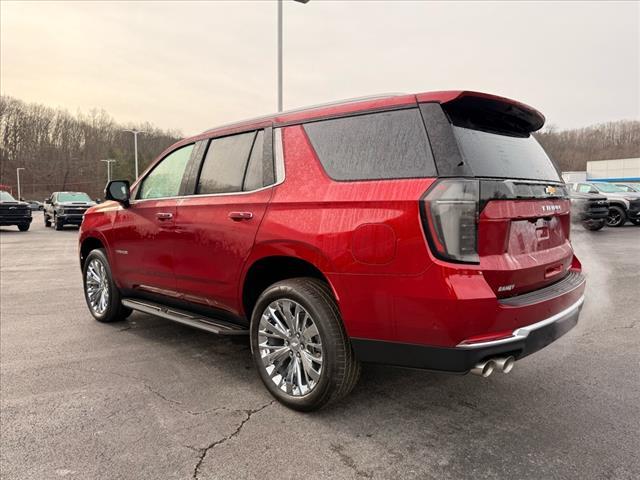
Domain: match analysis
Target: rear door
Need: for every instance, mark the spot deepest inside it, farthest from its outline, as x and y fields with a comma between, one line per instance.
x=218, y=223
x=522, y=206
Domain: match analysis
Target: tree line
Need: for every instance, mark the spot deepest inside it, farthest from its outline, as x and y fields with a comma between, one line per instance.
x=572, y=149
x=60, y=151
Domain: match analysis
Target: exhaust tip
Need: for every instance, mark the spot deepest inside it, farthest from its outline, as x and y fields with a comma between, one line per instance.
x=484, y=369
x=505, y=364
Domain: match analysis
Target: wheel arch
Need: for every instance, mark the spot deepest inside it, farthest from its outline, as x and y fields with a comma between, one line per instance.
x=90, y=243
x=275, y=263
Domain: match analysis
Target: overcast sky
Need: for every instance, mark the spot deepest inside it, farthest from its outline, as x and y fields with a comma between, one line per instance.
x=193, y=65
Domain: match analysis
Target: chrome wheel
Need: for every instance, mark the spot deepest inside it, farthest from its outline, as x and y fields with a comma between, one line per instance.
x=97, y=286
x=290, y=347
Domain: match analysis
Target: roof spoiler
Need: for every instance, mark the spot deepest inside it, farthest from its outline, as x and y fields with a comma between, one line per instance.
x=487, y=112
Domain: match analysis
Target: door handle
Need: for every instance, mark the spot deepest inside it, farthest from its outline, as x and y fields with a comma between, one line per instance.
x=164, y=216
x=237, y=216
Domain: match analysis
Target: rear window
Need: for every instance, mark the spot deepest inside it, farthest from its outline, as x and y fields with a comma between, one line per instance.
x=376, y=146
x=503, y=156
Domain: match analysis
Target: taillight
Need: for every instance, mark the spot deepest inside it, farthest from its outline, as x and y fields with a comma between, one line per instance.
x=450, y=218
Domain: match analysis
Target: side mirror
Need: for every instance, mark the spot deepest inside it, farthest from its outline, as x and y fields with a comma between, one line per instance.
x=47, y=201
x=118, y=190
x=97, y=200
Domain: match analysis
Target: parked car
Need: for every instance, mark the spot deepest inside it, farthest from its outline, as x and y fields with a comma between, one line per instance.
x=35, y=205
x=66, y=208
x=623, y=205
x=629, y=187
x=427, y=231
x=13, y=212
x=590, y=209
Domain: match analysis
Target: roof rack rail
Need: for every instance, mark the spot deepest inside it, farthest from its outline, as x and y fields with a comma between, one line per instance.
x=309, y=108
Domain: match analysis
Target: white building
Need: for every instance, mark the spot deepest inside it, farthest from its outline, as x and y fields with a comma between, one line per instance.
x=616, y=170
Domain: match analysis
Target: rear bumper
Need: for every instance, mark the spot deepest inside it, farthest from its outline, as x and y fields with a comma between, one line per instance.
x=462, y=358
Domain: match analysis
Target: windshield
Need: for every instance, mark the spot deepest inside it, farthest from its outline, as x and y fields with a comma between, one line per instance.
x=6, y=197
x=608, y=188
x=73, y=197
x=504, y=156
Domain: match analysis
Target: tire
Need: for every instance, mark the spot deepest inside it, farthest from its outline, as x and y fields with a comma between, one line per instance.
x=635, y=221
x=594, y=225
x=98, y=264
x=617, y=216
x=58, y=225
x=47, y=223
x=23, y=227
x=336, y=374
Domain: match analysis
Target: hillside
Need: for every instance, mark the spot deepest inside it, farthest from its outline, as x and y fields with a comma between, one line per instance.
x=61, y=151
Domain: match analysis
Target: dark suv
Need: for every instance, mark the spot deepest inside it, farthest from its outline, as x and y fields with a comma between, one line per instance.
x=66, y=208
x=14, y=212
x=427, y=231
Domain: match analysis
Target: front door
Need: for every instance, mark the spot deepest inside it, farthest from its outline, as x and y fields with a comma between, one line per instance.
x=144, y=234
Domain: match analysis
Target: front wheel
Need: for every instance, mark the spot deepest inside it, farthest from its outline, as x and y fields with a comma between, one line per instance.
x=635, y=221
x=100, y=291
x=617, y=216
x=47, y=223
x=58, y=225
x=593, y=225
x=299, y=345
x=23, y=227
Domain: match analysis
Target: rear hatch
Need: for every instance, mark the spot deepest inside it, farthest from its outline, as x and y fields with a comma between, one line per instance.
x=500, y=202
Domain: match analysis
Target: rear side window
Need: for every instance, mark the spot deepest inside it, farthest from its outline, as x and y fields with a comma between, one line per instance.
x=376, y=146
x=503, y=156
x=225, y=163
x=260, y=168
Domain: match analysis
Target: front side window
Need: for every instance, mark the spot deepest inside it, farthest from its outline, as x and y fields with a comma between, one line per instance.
x=225, y=163
x=584, y=188
x=165, y=179
x=376, y=146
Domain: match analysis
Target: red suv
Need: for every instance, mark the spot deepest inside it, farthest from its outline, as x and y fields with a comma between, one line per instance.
x=427, y=231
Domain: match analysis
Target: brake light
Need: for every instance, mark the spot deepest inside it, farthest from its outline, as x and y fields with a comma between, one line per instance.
x=450, y=219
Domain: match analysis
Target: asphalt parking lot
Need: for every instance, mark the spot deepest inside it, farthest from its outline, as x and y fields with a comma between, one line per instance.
x=149, y=399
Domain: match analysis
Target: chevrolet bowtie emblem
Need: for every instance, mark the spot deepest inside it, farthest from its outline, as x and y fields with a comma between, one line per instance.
x=550, y=190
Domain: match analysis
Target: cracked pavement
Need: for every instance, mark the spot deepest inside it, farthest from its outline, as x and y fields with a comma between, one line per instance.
x=149, y=399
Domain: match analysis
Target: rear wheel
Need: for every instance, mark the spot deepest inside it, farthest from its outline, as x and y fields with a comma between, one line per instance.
x=23, y=227
x=299, y=345
x=616, y=217
x=100, y=291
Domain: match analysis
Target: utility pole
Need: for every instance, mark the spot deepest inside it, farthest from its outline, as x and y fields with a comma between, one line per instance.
x=280, y=51
x=18, y=175
x=135, y=145
x=108, y=161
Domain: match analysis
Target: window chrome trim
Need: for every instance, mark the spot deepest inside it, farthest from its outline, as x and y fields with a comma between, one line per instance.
x=280, y=176
x=523, y=332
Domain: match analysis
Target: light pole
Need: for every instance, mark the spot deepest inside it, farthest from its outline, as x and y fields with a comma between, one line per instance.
x=135, y=145
x=18, y=175
x=108, y=161
x=280, y=51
